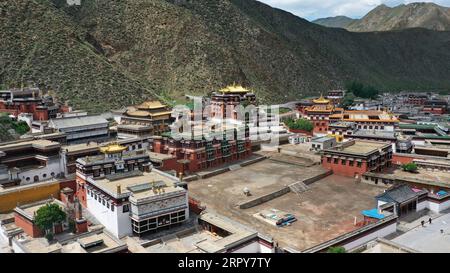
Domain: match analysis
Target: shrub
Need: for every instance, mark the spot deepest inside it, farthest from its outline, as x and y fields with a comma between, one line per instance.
x=336, y=249
x=300, y=124
x=410, y=167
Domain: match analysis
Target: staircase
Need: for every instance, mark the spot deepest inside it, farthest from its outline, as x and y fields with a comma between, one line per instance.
x=298, y=187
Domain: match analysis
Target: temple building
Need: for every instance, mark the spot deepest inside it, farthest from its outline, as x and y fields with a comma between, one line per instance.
x=115, y=159
x=82, y=129
x=356, y=157
x=138, y=202
x=435, y=106
x=30, y=161
x=368, y=120
x=28, y=100
x=195, y=154
x=319, y=114
x=336, y=96
x=227, y=99
x=151, y=114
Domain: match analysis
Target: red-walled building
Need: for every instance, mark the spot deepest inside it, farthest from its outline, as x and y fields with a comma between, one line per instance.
x=190, y=155
x=24, y=217
x=356, y=157
x=319, y=114
x=29, y=100
x=437, y=107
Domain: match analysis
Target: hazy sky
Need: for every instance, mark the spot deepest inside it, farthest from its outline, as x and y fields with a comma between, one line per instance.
x=313, y=9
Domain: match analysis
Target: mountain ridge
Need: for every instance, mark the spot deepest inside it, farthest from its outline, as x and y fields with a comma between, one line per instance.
x=104, y=54
x=383, y=18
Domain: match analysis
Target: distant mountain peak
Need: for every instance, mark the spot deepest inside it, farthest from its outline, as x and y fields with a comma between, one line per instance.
x=404, y=16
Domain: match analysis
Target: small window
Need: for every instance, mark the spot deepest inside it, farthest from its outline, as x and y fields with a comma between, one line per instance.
x=126, y=208
x=112, y=207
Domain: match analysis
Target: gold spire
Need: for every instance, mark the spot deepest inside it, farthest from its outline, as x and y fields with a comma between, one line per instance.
x=113, y=148
x=321, y=100
x=234, y=88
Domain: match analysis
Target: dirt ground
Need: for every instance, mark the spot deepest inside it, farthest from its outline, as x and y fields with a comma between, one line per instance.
x=324, y=212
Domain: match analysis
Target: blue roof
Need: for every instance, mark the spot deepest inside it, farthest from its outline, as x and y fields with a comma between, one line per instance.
x=373, y=213
x=440, y=193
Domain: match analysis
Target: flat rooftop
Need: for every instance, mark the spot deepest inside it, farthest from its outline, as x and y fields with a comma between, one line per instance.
x=198, y=240
x=29, y=210
x=429, y=238
x=38, y=144
x=436, y=177
x=362, y=147
x=137, y=185
x=96, y=241
x=81, y=147
x=326, y=210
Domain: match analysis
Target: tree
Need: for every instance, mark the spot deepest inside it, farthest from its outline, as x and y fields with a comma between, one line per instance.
x=362, y=91
x=48, y=215
x=336, y=249
x=299, y=124
x=348, y=100
x=410, y=167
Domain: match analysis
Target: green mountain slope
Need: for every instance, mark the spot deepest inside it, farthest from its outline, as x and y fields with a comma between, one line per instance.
x=112, y=53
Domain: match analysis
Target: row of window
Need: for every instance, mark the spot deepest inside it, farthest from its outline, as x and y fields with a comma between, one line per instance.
x=106, y=203
x=36, y=177
x=370, y=127
x=344, y=162
x=154, y=223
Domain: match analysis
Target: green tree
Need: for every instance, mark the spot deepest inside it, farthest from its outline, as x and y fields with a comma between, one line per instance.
x=362, y=91
x=336, y=249
x=299, y=124
x=348, y=100
x=410, y=167
x=48, y=215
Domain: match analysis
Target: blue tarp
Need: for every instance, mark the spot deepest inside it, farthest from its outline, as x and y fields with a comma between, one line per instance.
x=373, y=213
x=440, y=193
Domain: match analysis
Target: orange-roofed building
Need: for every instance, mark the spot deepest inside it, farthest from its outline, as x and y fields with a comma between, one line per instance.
x=150, y=113
x=320, y=112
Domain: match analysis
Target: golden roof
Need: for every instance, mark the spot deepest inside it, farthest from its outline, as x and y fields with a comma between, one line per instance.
x=154, y=104
x=321, y=100
x=138, y=113
x=113, y=148
x=234, y=89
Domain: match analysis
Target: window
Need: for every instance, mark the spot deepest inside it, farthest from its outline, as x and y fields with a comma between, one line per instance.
x=336, y=161
x=359, y=164
x=343, y=162
x=112, y=207
x=107, y=205
x=351, y=163
x=103, y=202
x=44, y=175
x=126, y=208
x=95, y=197
x=329, y=160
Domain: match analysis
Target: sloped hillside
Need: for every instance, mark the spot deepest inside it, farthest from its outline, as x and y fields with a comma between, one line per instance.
x=106, y=54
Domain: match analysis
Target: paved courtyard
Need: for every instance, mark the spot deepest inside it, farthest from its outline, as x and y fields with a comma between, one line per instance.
x=428, y=238
x=326, y=210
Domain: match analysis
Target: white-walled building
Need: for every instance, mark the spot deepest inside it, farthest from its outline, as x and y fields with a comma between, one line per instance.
x=29, y=161
x=136, y=202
